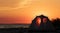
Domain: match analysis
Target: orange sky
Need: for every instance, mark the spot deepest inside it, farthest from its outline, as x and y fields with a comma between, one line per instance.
x=24, y=11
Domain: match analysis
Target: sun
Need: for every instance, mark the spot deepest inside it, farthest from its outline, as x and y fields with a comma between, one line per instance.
x=42, y=13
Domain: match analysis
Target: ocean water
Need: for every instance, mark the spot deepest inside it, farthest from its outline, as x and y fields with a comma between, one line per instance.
x=14, y=25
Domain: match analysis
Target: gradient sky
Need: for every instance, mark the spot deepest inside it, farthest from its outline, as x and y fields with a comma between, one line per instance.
x=24, y=11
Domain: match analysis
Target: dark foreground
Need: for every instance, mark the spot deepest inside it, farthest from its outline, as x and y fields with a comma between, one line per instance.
x=24, y=30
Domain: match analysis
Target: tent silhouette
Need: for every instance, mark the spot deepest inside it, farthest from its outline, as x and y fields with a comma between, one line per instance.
x=47, y=26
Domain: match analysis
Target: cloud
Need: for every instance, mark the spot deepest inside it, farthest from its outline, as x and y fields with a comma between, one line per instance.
x=8, y=4
x=13, y=4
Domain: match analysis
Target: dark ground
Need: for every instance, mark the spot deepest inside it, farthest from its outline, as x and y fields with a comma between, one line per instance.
x=24, y=30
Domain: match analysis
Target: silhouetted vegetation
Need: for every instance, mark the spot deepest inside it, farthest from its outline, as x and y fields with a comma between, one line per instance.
x=56, y=23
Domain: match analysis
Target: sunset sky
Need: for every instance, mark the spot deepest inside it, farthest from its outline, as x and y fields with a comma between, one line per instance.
x=24, y=11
